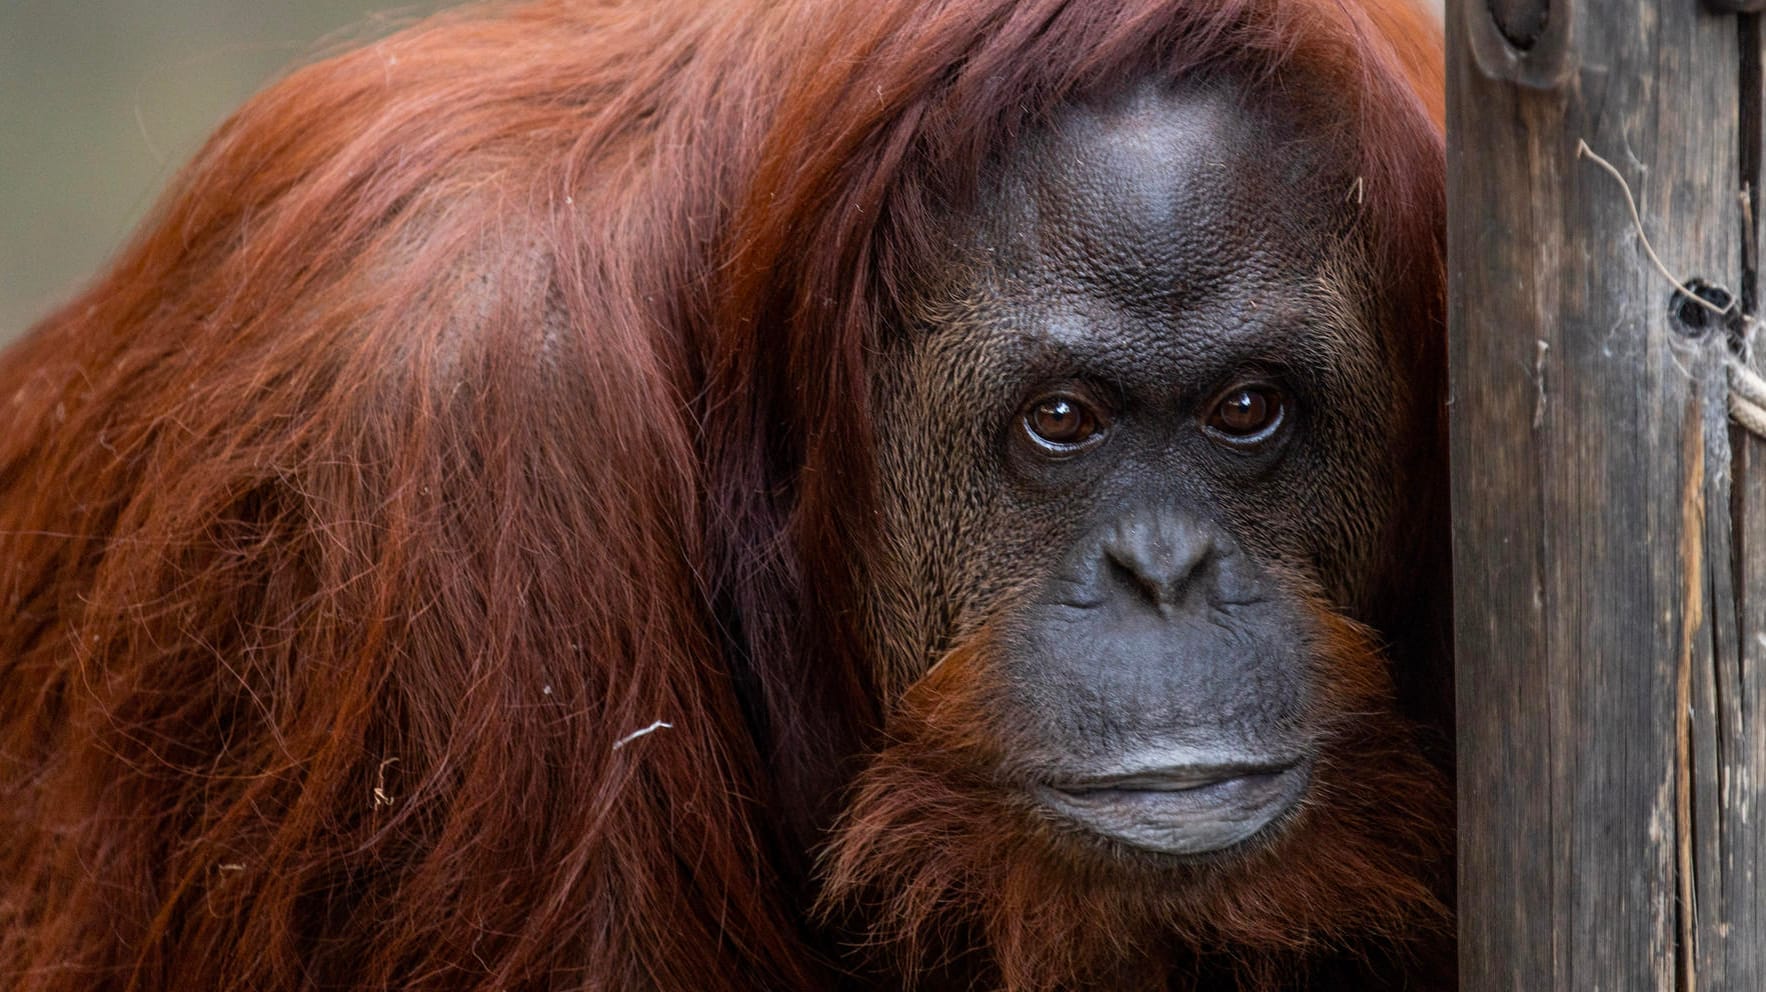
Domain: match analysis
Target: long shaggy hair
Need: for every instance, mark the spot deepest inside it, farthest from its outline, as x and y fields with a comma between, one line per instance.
x=483, y=398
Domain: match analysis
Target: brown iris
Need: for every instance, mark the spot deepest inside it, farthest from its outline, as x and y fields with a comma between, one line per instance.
x=1247, y=414
x=1062, y=423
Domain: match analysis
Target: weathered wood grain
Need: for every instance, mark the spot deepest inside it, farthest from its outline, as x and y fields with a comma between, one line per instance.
x=1731, y=715
x=1608, y=656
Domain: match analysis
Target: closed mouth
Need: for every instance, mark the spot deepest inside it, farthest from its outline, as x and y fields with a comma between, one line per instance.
x=1186, y=809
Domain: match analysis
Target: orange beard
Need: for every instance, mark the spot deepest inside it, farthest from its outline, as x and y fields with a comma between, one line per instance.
x=943, y=868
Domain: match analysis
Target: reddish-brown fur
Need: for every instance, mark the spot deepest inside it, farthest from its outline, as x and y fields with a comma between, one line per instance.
x=481, y=397
x=931, y=847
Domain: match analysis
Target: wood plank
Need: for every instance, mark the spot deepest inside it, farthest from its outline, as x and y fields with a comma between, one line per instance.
x=1731, y=829
x=1588, y=608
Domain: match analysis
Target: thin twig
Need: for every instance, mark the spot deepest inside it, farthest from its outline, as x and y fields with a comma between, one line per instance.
x=1582, y=150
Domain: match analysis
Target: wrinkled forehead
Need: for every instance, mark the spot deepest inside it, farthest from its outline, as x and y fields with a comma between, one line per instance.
x=1165, y=193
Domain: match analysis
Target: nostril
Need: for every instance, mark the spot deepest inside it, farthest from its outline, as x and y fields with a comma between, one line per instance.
x=1160, y=555
x=1161, y=574
x=1128, y=575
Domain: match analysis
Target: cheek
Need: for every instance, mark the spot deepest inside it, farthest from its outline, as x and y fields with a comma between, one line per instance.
x=1352, y=512
x=1332, y=511
x=956, y=539
x=933, y=496
x=955, y=551
x=1330, y=518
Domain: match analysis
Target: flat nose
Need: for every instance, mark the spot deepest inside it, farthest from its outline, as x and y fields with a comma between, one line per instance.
x=1163, y=555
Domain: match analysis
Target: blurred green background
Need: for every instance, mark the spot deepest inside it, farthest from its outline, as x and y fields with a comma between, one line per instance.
x=102, y=100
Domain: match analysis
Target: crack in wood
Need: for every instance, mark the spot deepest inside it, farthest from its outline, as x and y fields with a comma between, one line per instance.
x=1692, y=625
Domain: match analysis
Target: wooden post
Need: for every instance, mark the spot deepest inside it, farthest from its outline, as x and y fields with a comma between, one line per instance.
x=1609, y=525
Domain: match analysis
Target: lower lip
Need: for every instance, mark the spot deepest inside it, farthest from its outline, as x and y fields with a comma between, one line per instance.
x=1187, y=818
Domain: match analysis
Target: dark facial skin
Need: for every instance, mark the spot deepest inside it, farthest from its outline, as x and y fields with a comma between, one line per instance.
x=1142, y=417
